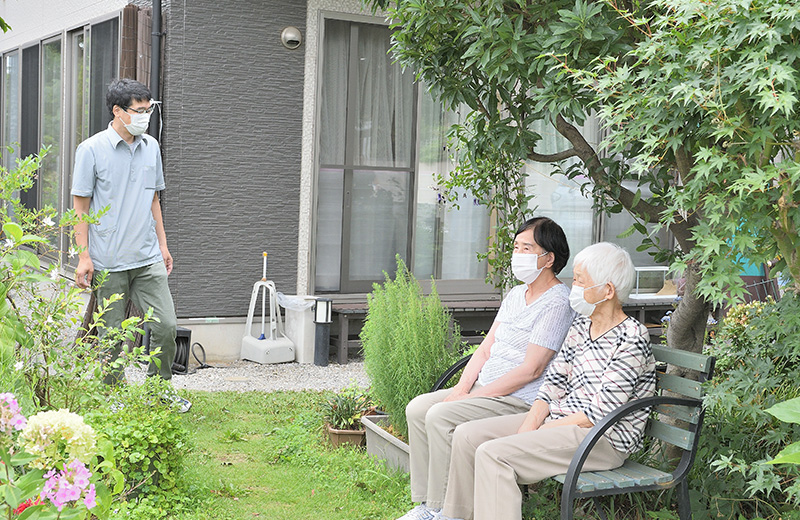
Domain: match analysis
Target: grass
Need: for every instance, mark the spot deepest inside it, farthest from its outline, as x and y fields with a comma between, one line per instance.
x=262, y=455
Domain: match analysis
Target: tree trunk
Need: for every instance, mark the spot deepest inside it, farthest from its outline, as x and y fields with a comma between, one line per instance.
x=687, y=325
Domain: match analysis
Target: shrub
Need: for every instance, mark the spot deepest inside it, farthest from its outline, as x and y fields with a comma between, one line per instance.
x=39, y=360
x=149, y=438
x=408, y=341
x=758, y=350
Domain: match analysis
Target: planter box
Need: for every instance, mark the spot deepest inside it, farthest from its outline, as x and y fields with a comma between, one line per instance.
x=384, y=445
x=341, y=437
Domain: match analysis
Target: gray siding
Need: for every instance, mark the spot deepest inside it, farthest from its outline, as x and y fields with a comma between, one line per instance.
x=233, y=102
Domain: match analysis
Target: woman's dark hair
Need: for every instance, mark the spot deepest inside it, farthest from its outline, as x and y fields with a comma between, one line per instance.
x=550, y=237
x=123, y=92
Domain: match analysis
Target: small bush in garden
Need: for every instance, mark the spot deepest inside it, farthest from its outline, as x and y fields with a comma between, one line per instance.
x=149, y=437
x=758, y=365
x=408, y=341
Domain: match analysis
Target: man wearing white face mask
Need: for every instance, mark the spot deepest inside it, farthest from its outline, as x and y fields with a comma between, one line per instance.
x=120, y=168
x=605, y=362
x=504, y=374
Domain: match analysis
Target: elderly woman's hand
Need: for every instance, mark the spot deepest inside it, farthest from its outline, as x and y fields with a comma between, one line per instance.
x=535, y=417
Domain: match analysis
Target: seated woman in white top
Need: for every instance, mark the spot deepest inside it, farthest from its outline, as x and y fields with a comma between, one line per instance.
x=504, y=374
x=605, y=362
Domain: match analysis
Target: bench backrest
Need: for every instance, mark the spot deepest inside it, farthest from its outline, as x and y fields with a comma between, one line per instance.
x=677, y=424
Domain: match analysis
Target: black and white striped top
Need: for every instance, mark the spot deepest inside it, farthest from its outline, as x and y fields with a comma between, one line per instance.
x=597, y=376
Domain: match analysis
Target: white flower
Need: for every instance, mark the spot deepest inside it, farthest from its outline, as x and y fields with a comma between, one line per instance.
x=72, y=252
x=47, y=221
x=19, y=365
x=9, y=243
x=54, y=274
x=56, y=437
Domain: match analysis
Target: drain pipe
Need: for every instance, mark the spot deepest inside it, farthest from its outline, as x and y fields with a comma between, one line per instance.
x=155, y=65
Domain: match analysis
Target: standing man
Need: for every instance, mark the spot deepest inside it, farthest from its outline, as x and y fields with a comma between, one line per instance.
x=121, y=168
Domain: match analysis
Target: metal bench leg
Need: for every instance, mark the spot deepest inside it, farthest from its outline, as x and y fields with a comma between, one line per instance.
x=684, y=506
x=598, y=504
x=344, y=338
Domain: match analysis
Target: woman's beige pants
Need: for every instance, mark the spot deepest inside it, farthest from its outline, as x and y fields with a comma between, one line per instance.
x=490, y=459
x=430, y=429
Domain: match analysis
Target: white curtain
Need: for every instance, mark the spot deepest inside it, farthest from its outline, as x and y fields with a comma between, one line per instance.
x=446, y=235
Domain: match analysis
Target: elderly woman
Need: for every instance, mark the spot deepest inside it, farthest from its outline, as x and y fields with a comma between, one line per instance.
x=504, y=374
x=605, y=362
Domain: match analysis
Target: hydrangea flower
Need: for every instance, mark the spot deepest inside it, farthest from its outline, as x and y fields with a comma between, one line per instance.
x=57, y=436
x=63, y=487
x=10, y=416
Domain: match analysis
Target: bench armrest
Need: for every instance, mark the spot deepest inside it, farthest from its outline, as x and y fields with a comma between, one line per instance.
x=582, y=453
x=450, y=372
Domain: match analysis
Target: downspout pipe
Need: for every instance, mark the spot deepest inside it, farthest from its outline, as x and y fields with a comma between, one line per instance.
x=155, y=66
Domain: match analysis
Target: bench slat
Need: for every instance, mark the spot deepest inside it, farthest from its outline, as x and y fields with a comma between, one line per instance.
x=671, y=434
x=688, y=414
x=661, y=477
x=679, y=385
x=620, y=479
x=586, y=482
x=682, y=358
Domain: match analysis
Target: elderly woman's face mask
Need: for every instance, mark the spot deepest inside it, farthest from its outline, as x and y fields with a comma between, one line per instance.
x=577, y=300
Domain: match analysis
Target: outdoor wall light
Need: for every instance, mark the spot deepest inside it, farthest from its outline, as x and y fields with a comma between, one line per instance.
x=291, y=37
x=322, y=310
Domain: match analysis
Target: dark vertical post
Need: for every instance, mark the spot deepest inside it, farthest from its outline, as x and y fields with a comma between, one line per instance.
x=322, y=335
x=155, y=66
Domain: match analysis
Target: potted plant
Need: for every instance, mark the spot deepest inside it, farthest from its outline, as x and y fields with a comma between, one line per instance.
x=343, y=412
x=408, y=339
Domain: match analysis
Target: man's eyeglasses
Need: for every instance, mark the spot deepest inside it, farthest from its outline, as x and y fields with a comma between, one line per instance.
x=143, y=110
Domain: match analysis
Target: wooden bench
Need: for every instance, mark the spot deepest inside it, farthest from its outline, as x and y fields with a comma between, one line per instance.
x=676, y=420
x=345, y=312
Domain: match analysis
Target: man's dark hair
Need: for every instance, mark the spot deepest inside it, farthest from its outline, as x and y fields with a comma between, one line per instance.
x=550, y=237
x=123, y=92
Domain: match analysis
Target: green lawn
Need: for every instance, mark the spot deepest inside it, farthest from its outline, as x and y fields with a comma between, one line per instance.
x=262, y=455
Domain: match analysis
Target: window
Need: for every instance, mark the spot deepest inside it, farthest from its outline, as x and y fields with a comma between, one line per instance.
x=447, y=238
x=562, y=200
x=366, y=157
x=381, y=141
x=50, y=123
x=11, y=108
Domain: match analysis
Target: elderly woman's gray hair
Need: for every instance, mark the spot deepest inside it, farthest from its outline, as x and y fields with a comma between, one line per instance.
x=607, y=262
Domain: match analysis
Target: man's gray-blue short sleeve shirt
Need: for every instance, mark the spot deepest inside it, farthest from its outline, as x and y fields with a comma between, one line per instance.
x=125, y=178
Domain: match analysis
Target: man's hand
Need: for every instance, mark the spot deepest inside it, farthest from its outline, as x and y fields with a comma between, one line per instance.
x=84, y=272
x=167, y=259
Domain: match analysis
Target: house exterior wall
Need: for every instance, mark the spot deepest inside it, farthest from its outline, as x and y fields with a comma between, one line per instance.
x=32, y=20
x=233, y=105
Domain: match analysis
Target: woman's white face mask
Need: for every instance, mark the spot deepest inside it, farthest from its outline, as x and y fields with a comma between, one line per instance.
x=525, y=267
x=578, y=302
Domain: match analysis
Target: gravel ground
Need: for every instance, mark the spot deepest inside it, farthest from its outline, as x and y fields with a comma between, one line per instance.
x=246, y=376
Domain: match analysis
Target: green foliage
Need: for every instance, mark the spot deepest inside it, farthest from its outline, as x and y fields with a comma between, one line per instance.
x=787, y=411
x=343, y=410
x=38, y=361
x=758, y=360
x=408, y=342
x=149, y=438
x=709, y=95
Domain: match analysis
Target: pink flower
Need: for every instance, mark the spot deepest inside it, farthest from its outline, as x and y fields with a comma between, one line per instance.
x=90, y=500
x=10, y=416
x=67, y=486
